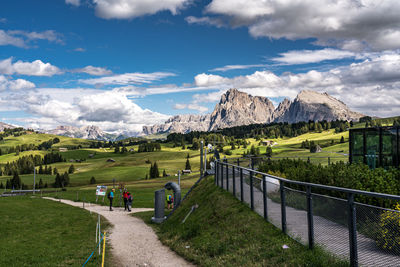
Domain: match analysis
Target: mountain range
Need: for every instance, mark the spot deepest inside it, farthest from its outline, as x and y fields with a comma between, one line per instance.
x=86, y=132
x=237, y=108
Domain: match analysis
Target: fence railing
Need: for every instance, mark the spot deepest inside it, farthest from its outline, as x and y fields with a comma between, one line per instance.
x=348, y=229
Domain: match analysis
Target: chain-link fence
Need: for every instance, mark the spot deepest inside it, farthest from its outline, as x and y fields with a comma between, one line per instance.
x=363, y=234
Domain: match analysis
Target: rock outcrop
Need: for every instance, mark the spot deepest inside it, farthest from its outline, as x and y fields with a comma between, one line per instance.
x=180, y=124
x=237, y=108
x=310, y=105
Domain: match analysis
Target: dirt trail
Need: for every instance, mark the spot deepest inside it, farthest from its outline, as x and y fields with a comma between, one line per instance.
x=133, y=242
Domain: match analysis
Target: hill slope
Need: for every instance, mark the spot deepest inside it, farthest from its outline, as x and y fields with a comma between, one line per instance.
x=225, y=232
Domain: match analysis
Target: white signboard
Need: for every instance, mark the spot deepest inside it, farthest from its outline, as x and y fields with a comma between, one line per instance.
x=101, y=190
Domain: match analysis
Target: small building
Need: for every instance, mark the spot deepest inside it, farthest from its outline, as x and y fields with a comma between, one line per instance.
x=63, y=149
x=186, y=171
x=110, y=160
x=377, y=146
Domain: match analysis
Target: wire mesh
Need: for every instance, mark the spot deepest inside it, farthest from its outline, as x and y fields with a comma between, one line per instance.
x=378, y=236
x=274, y=202
x=296, y=215
x=331, y=231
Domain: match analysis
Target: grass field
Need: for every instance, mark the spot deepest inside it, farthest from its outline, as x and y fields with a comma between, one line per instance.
x=38, y=232
x=225, y=232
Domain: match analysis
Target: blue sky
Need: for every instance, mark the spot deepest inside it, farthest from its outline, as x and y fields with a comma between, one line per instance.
x=122, y=64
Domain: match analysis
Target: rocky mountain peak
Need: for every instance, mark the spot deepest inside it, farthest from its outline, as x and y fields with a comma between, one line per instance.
x=238, y=108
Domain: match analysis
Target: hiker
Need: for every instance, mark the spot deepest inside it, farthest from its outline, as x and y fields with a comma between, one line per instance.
x=129, y=201
x=111, y=197
x=125, y=196
x=170, y=202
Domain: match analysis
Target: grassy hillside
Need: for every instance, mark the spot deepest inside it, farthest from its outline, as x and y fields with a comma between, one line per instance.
x=37, y=139
x=38, y=232
x=225, y=232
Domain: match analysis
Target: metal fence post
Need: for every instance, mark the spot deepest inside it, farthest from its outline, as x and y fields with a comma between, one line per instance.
x=227, y=177
x=216, y=172
x=251, y=191
x=241, y=184
x=222, y=175
x=352, y=231
x=283, y=206
x=233, y=181
x=265, y=197
x=310, y=219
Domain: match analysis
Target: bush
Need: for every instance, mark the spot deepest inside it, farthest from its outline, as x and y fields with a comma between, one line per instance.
x=92, y=180
x=389, y=235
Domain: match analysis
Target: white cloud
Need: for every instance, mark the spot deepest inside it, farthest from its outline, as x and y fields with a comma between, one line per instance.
x=49, y=35
x=217, y=22
x=34, y=68
x=3, y=20
x=238, y=67
x=346, y=24
x=128, y=78
x=312, y=56
x=18, y=84
x=50, y=107
x=192, y=106
x=96, y=71
x=128, y=9
x=73, y=2
x=7, y=39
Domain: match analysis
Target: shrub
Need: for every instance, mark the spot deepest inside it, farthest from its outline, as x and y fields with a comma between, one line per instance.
x=92, y=180
x=389, y=235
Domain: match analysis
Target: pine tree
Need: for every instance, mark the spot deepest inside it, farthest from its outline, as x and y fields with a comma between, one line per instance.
x=268, y=153
x=187, y=165
x=16, y=181
x=65, y=179
x=116, y=150
x=164, y=174
x=40, y=183
x=1, y=185
x=40, y=169
x=156, y=173
x=92, y=180
x=55, y=171
x=71, y=169
x=57, y=181
x=342, y=140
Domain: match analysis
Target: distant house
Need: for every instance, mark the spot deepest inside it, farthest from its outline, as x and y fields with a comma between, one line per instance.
x=91, y=155
x=186, y=171
x=63, y=149
x=110, y=160
x=268, y=143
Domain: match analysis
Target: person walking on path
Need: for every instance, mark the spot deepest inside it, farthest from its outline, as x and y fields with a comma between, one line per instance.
x=129, y=201
x=170, y=202
x=111, y=197
x=125, y=196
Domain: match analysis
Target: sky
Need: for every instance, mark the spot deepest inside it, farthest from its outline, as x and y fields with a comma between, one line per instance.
x=122, y=64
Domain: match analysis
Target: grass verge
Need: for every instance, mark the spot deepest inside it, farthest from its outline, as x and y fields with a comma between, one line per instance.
x=225, y=232
x=38, y=232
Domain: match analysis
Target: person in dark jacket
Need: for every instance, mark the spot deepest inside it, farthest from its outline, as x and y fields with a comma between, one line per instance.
x=111, y=197
x=129, y=201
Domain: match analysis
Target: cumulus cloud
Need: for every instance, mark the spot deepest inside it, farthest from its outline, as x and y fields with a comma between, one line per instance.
x=18, y=84
x=192, y=106
x=128, y=78
x=96, y=71
x=128, y=9
x=34, y=68
x=237, y=67
x=73, y=2
x=312, y=56
x=346, y=24
x=111, y=111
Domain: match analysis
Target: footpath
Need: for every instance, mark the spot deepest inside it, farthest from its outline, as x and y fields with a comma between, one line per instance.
x=133, y=243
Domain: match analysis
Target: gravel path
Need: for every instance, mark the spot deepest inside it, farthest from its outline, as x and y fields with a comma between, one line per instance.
x=133, y=242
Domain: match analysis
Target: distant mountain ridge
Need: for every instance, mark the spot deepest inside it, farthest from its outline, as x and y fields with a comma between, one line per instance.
x=86, y=132
x=6, y=126
x=237, y=108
